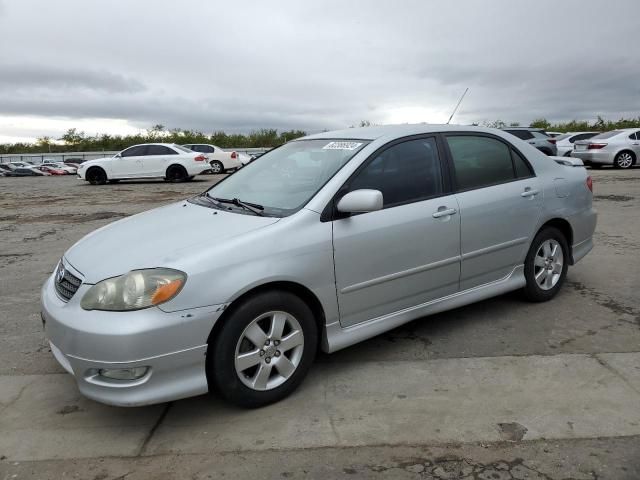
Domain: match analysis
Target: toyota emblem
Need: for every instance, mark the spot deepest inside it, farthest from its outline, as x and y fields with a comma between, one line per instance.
x=60, y=275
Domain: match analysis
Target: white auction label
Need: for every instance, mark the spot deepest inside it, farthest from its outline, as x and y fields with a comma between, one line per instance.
x=341, y=146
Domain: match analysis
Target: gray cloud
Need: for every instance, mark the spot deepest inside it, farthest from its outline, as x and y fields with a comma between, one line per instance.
x=247, y=64
x=16, y=78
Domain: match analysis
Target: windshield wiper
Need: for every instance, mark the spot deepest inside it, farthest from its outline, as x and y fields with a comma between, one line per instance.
x=252, y=207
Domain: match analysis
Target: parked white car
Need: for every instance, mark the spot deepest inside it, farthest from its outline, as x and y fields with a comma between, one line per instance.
x=67, y=168
x=219, y=159
x=149, y=160
x=620, y=148
x=565, y=141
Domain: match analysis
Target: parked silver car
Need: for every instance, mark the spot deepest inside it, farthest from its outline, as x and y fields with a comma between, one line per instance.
x=319, y=244
x=565, y=141
x=620, y=148
x=536, y=137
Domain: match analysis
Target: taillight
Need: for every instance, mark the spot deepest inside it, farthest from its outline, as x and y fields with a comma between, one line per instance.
x=200, y=158
x=234, y=155
x=590, y=184
x=596, y=146
x=551, y=140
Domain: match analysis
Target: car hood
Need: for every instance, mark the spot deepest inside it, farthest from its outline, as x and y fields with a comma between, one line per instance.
x=163, y=237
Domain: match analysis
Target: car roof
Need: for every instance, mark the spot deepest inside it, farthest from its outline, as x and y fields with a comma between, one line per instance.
x=535, y=129
x=394, y=131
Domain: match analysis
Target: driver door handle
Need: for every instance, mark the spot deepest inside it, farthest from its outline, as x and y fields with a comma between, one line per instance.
x=444, y=212
x=529, y=192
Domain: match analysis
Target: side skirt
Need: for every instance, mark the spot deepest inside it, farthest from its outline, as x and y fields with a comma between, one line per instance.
x=338, y=338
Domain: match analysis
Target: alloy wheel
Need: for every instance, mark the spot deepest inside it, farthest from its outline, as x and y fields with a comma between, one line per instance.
x=548, y=264
x=269, y=350
x=624, y=160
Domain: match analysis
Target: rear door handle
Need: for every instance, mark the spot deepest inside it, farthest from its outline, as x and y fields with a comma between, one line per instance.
x=444, y=212
x=529, y=192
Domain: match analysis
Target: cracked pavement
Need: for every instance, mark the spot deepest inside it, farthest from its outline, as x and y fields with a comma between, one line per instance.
x=502, y=389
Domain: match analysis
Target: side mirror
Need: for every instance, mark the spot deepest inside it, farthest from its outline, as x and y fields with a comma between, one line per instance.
x=117, y=155
x=360, y=201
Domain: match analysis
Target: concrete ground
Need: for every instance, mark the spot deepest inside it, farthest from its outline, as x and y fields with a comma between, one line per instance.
x=502, y=389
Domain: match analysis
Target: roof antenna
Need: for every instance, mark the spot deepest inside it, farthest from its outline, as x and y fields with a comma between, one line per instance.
x=459, y=102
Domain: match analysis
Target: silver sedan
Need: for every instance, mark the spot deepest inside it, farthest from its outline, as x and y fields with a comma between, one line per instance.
x=319, y=244
x=620, y=148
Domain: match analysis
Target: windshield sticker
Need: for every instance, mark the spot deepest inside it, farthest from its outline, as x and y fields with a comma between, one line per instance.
x=341, y=146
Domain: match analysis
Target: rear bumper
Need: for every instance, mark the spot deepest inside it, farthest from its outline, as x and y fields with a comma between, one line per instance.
x=593, y=156
x=171, y=345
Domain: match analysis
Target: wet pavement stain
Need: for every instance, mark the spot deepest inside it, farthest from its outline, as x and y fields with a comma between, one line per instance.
x=452, y=468
x=512, y=432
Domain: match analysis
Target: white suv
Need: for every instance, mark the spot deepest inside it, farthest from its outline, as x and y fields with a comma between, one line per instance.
x=149, y=160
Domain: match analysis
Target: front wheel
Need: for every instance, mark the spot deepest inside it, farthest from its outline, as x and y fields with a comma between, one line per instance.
x=263, y=350
x=545, y=267
x=96, y=176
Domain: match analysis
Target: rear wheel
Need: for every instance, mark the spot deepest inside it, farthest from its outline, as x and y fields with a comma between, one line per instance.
x=176, y=173
x=545, y=267
x=624, y=160
x=263, y=350
x=217, y=167
x=96, y=176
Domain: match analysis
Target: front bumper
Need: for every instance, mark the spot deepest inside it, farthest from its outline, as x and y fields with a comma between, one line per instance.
x=172, y=345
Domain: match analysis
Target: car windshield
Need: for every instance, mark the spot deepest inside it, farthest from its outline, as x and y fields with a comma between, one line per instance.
x=610, y=134
x=283, y=180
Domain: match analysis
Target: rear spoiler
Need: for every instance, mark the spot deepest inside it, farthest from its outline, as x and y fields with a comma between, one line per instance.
x=568, y=161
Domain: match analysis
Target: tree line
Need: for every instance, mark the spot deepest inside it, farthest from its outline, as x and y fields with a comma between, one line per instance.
x=599, y=125
x=75, y=140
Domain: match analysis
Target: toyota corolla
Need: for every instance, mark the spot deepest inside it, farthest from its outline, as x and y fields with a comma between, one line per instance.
x=319, y=244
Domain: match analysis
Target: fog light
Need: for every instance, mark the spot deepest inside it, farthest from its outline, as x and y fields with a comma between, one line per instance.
x=124, y=373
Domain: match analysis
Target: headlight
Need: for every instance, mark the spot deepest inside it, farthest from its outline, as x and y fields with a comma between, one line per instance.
x=136, y=290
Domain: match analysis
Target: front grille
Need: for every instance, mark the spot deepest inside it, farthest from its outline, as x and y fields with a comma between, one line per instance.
x=66, y=283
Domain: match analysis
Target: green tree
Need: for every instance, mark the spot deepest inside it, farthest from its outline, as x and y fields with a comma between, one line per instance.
x=540, y=123
x=72, y=137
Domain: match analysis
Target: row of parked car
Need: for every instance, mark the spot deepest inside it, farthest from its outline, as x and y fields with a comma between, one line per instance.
x=150, y=160
x=46, y=168
x=620, y=148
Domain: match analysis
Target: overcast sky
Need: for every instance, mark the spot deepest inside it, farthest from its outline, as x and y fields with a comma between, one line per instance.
x=120, y=66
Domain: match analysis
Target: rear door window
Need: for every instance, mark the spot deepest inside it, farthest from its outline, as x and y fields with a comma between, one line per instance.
x=160, y=150
x=480, y=161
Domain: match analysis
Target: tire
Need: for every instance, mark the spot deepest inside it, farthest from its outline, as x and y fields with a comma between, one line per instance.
x=543, y=283
x=624, y=160
x=96, y=176
x=259, y=380
x=216, y=167
x=176, y=173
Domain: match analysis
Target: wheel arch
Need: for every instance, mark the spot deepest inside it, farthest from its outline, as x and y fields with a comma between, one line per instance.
x=297, y=289
x=94, y=168
x=565, y=227
x=630, y=152
x=176, y=165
